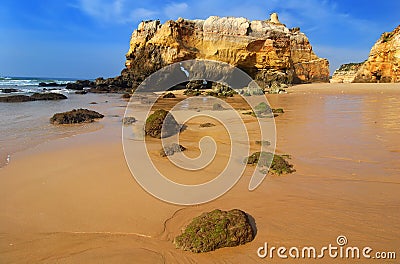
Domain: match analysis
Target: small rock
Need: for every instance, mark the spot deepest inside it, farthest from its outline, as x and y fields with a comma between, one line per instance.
x=171, y=150
x=126, y=96
x=263, y=142
x=207, y=125
x=128, y=120
x=278, y=111
x=169, y=95
x=218, y=107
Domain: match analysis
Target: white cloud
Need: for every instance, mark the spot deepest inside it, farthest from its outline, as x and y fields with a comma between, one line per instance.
x=142, y=13
x=114, y=11
x=175, y=10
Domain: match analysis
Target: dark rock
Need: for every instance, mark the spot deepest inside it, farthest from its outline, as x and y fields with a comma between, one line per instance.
x=9, y=90
x=81, y=92
x=128, y=120
x=169, y=95
x=279, y=164
x=216, y=229
x=220, y=90
x=262, y=109
x=112, y=85
x=85, y=83
x=154, y=124
x=195, y=85
x=126, y=96
x=74, y=86
x=193, y=88
x=34, y=97
x=218, y=107
x=47, y=96
x=263, y=142
x=15, y=99
x=190, y=92
x=75, y=116
x=171, y=150
x=207, y=125
x=92, y=103
x=278, y=111
x=100, y=88
x=50, y=84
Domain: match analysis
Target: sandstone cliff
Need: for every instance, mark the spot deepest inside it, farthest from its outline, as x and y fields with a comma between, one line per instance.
x=266, y=49
x=346, y=73
x=383, y=64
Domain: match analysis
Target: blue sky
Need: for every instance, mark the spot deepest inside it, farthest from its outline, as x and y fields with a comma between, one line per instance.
x=89, y=38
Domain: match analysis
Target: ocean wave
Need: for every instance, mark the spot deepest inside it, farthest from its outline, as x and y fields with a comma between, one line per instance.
x=26, y=81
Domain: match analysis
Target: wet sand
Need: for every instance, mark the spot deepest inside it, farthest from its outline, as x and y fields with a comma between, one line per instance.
x=74, y=200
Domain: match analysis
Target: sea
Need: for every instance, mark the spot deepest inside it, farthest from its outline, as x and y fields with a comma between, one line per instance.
x=26, y=124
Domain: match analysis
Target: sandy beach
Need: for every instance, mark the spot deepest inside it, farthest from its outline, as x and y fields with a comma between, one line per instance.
x=74, y=200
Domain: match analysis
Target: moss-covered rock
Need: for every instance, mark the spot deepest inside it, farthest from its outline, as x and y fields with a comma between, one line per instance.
x=278, y=111
x=75, y=116
x=154, y=124
x=279, y=164
x=216, y=229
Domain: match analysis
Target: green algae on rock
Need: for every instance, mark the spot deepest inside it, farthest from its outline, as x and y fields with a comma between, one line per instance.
x=161, y=124
x=279, y=164
x=216, y=229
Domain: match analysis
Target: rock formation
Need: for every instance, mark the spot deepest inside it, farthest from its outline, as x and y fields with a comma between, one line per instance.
x=382, y=65
x=346, y=73
x=34, y=97
x=266, y=49
x=75, y=116
x=161, y=124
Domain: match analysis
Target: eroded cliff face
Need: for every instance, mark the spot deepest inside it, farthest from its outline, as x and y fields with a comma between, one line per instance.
x=346, y=73
x=383, y=64
x=266, y=49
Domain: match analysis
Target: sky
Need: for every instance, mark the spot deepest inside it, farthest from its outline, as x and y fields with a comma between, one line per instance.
x=89, y=38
